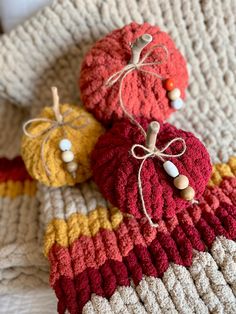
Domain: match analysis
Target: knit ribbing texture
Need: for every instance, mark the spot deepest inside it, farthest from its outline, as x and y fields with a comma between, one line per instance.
x=22, y=265
x=107, y=262
x=48, y=51
x=83, y=135
x=115, y=170
x=143, y=94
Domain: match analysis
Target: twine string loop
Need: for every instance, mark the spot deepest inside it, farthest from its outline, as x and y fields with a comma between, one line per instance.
x=151, y=153
x=126, y=70
x=58, y=122
x=161, y=154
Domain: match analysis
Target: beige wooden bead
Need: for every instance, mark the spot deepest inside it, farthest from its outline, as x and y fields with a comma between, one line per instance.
x=174, y=94
x=181, y=182
x=188, y=194
x=67, y=156
x=72, y=166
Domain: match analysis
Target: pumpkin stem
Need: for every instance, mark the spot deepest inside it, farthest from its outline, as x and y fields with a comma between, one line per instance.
x=138, y=46
x=56, y=107
x=152, y=132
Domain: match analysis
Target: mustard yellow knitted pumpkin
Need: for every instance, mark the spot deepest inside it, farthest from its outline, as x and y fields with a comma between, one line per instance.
x=56, y=145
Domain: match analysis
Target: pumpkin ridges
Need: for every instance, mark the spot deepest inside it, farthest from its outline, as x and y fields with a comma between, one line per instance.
x=118, y=179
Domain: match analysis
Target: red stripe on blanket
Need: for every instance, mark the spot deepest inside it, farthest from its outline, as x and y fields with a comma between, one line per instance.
x=13, y=169
x=74, y=286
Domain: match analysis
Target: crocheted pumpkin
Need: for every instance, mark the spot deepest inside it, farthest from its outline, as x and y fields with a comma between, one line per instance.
x=115, y=170
x=48, y=160
x=143, y=94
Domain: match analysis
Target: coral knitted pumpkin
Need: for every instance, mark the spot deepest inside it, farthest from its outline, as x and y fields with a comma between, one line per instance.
x=115, y=170
x=144, y=94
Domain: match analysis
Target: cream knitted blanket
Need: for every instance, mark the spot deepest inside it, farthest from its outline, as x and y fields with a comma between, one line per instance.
x=48, y=49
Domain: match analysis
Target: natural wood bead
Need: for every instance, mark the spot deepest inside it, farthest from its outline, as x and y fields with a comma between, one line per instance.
x=181, y=182
x=174, y=94
x=72, y=166
x=188, y=193
x=67, y=156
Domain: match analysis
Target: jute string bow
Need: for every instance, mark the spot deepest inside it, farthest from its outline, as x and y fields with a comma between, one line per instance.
x=151, y=151
x=139, y=66
x=54, y=124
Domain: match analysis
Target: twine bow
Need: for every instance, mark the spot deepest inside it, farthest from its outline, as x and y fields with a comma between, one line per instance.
x=58, y=122
x=121, y=75
x=151, y=153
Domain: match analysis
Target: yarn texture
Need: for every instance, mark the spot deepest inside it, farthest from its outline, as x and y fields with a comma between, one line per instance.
x=20, y=231
x=143, y=94
x=27, y=65
x=83, y=140
x=115, y=171
x=104, y=261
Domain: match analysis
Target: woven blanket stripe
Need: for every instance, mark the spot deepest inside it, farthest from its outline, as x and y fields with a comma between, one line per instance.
x=16, y=189
x=212, y=275
x=106, y=257
x=14, y=179
x=200, y=288
x=13, y=170
x=95, y=254
x=63, y=202
x=87, y=213
x=21, y=264
x=211, y=94
x=111, y=221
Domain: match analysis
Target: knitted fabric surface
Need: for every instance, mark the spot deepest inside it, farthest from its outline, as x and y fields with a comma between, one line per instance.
x=143, y=93
x=115, y=170
x=22, y=264
x=82, y=130
x=48, y=51
x=103, y=261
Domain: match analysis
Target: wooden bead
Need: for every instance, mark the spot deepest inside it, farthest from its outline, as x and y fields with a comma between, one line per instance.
x=169, y=84
x=181, y=182
x=188, y=193
x=67, y=156
x=72, y=166
x=174, y=94
x=171, y=169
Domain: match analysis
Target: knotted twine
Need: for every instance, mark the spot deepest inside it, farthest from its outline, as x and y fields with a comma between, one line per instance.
x=54, y=124
x=151, y=153
x=124, y=72
x=148, y=153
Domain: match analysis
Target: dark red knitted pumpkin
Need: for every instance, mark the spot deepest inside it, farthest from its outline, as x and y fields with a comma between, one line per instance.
x=115, y=170
x=144, y=95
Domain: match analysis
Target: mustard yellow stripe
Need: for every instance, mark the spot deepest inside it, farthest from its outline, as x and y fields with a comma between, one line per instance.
x=65, y=232
x=223, y=170
x=13, y=189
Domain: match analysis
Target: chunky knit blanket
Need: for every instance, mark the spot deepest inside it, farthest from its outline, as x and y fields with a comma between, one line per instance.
x=100, y=260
